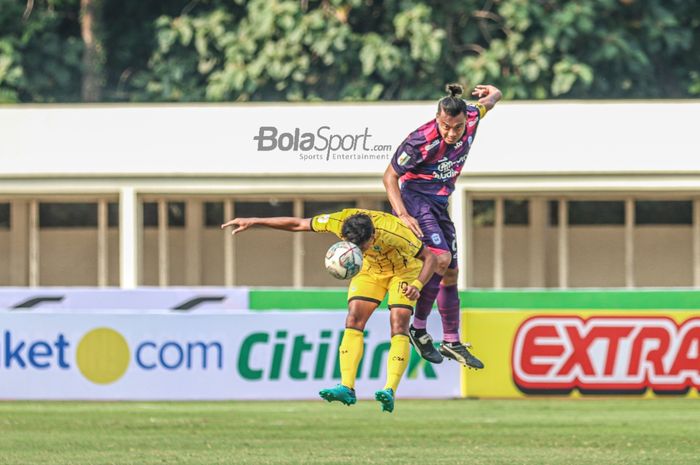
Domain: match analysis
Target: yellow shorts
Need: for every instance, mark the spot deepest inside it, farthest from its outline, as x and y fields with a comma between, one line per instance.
x=373, y=288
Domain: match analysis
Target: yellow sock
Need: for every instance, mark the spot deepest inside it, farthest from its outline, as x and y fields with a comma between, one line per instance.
x=399, y=355
x=351, y=349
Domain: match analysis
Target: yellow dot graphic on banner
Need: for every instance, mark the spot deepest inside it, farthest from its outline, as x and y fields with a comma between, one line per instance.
x=103, y=355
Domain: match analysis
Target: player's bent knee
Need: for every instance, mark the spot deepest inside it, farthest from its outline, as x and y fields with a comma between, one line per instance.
x=400, y=318
x=400, y=329
x=450, y=277
x=443, y=261
x=355, y=322
x=359, y=311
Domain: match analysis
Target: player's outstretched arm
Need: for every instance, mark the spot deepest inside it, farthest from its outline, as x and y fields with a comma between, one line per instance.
x=391, y=184
x=412, y=291
x=285, y=223
x=488, y=95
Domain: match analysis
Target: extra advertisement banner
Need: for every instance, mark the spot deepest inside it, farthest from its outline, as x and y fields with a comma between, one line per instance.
x=196, y=356
x=583, y=353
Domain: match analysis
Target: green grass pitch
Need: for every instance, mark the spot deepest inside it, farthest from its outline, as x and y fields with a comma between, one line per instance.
x=538, y=432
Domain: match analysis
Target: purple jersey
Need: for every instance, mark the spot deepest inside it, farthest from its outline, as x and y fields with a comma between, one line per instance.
x=427, y=164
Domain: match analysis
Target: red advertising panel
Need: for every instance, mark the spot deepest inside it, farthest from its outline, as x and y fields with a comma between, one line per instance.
x=581, y=353
x=554, y=354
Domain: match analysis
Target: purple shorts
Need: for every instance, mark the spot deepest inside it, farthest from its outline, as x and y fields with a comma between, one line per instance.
x=435, y=222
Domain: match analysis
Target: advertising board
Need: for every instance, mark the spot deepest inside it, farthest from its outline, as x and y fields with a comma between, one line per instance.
x=582, y=353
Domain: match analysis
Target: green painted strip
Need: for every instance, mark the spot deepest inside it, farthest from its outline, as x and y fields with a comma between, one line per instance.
x=652, y=299
x=303, y=299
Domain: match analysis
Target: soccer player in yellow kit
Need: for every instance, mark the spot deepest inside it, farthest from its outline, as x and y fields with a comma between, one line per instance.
x=395, y=261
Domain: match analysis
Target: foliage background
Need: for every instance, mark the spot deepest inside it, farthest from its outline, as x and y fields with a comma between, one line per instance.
x=295, y=50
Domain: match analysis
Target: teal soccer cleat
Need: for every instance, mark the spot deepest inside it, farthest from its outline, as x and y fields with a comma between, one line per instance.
x=340, y=393
x=386, y=398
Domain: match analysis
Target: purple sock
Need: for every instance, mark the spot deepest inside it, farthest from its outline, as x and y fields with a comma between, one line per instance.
x=448, y=305
x=427, y=299
x=419, y=323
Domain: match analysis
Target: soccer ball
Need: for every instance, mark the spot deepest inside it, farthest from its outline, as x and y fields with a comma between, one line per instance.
x=344, y=260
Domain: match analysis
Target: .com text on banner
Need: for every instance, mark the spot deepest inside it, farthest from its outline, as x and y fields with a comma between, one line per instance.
x=265, y=356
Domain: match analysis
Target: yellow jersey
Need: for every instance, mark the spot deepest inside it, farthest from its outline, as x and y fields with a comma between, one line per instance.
x=394, y=249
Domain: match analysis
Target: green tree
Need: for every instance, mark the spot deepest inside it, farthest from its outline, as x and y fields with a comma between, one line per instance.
x=591, y=49
x=40, y=51
x=129, y=38
x=294, y=50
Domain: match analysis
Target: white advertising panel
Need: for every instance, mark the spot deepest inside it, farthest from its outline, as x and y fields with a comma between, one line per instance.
x=99, y=299
x=340, y=139
x=263, y=356
x=209, y=140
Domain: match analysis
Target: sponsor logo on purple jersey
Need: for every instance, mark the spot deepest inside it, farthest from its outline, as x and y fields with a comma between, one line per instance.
x=427, y=164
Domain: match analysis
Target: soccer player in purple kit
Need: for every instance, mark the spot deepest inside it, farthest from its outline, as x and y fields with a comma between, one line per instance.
x=427, y=163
